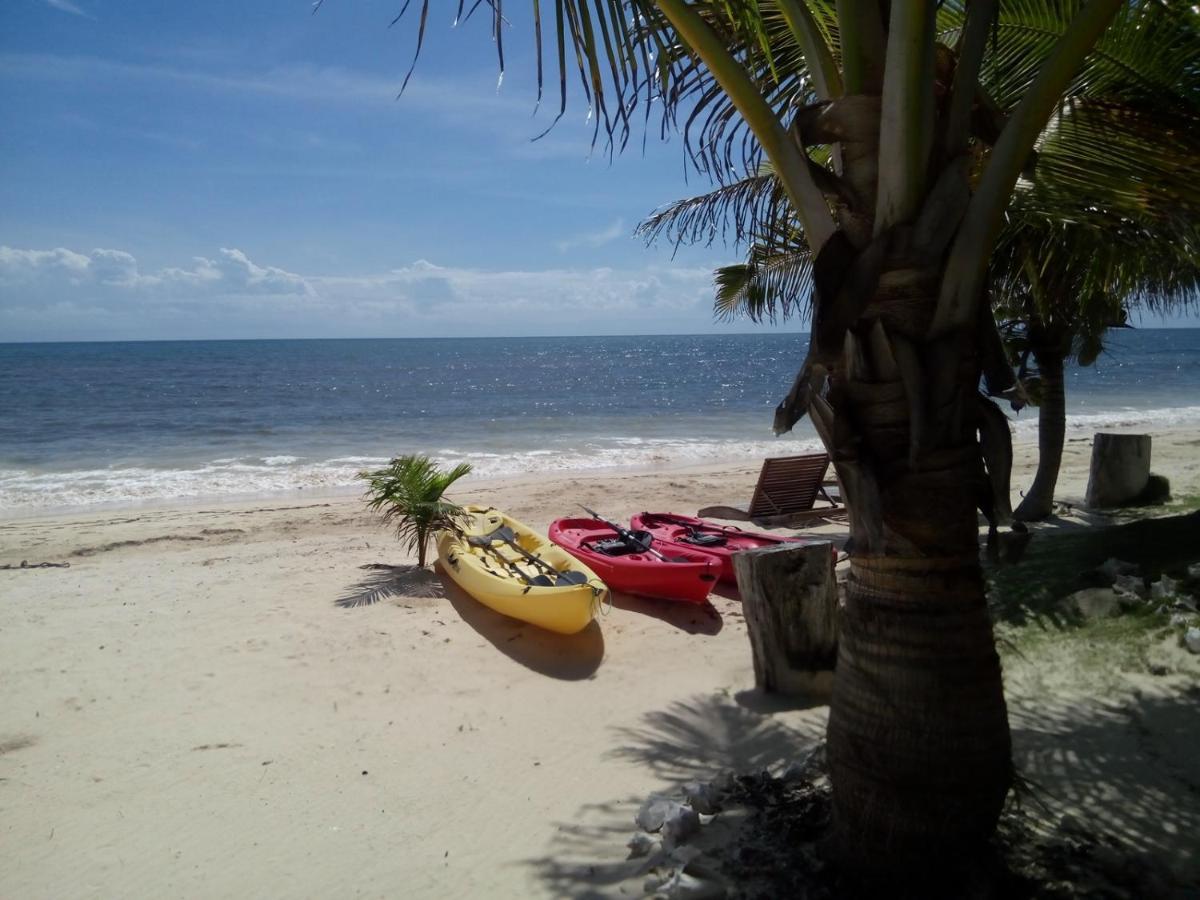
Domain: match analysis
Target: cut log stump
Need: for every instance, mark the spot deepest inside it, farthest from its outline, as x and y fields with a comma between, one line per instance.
x=1120, y=469
x=789, y=598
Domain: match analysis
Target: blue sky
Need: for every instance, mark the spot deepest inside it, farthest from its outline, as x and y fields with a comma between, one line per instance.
x=245, y=170
x=234, y=169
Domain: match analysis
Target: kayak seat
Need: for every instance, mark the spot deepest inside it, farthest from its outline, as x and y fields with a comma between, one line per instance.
x=704, y=540
x=612, y=547
x=621, y=547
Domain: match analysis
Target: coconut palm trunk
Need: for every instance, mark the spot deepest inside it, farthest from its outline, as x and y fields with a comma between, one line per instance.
x=1052, y=426
x=918, y=740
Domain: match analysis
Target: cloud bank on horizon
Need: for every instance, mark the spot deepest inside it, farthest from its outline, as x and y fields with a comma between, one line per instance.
x=64, y=294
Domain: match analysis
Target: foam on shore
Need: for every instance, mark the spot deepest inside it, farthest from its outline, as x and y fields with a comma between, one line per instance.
x=23, y=491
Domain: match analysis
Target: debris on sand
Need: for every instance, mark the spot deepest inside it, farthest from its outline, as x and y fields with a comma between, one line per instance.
x=1191, y=640
x=776, y=828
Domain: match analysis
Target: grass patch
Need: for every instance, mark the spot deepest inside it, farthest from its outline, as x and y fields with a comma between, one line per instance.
x=1057, y=563
x=1185, y=504
x=1120, y=643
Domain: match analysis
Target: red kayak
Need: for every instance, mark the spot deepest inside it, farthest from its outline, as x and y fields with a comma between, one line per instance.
x=722, y=541
x=686, y=574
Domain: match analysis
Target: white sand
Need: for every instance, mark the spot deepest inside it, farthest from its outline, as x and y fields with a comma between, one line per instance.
x=185, y=711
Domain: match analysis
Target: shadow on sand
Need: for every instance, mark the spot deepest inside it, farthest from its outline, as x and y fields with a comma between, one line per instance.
x=694, y=618
x=387, y=581
x=570, y=657
x=1128, y=769
x=728, y=591
x=688, y=740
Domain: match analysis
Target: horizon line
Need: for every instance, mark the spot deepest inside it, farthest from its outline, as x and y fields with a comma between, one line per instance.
x=447, y=337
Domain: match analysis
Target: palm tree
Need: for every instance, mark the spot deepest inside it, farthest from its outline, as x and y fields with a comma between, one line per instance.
x=408, y=494
x=901, y=223
x=1110, y=224
x=1067, y=285
x=1074, y=262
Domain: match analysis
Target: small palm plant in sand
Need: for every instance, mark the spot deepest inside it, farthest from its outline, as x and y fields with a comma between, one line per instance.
x=408, y=494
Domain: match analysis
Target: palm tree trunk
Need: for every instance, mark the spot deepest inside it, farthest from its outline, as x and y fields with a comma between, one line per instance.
x=919, y=748
x=1052, y=426
x=918, y=742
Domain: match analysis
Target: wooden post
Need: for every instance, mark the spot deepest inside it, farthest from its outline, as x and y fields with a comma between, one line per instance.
x=1120, y=469
x=789, y=598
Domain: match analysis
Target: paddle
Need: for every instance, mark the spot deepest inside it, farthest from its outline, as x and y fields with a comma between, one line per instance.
x=626, y=535
x=693, y=529
x=484, y=542
x=509, y=537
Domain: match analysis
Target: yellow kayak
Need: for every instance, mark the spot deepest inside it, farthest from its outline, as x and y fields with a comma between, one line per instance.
x=516, y=571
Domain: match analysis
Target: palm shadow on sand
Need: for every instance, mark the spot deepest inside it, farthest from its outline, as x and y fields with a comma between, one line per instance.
x=1122, y=771
x=386, y=582
x=694, y=618
x=690, y=739
x=1126, y=767
x=569, y=657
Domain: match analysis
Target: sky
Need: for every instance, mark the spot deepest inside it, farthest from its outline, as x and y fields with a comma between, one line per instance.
x=246, y=170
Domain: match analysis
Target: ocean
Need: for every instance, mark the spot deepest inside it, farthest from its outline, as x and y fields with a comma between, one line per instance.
x=86, y=424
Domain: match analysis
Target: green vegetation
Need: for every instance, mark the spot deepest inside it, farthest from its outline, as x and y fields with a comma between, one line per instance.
x=408, y=495
x=1041, y=632
x=1184, y=504
x=1058, y=563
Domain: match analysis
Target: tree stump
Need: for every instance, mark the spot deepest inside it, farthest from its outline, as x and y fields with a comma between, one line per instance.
x=789, y=598
x=1120, y=469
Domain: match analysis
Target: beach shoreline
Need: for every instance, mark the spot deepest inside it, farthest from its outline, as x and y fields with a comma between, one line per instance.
x=733, y=466
x=193, y=708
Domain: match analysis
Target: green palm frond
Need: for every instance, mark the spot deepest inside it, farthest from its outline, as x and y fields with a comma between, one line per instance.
x=407, y=494
x=1149, y=48
x=1123, y=160
x=726, y=213
x=773, y=284
x=620, y=54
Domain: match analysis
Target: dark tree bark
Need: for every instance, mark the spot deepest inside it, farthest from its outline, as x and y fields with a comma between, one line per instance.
x=919, y=746
x=1052, y=426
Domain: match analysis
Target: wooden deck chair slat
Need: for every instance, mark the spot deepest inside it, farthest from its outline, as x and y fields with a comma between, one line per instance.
x=788, y=484
x=785, y=492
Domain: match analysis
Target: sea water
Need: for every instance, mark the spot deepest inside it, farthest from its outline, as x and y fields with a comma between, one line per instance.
x=119, y=423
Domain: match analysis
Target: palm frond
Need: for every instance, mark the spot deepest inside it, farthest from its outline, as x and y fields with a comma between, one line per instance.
x=775, y=283
x=731, y=212
x=1149, y=48
x=1118, y=159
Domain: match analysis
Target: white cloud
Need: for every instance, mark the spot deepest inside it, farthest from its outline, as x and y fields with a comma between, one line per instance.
x=238, y=271
x=594, y=238
x=107, y=271
x=68, y=7
x=16, y=264
x=64, y=294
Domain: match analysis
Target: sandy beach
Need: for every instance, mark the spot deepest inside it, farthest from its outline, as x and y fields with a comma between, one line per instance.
x=206, y=703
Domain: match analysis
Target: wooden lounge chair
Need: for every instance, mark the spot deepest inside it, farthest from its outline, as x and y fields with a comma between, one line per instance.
x=787, y=489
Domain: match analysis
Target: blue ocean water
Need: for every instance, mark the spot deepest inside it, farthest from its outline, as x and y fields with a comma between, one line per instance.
x=126, y=422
